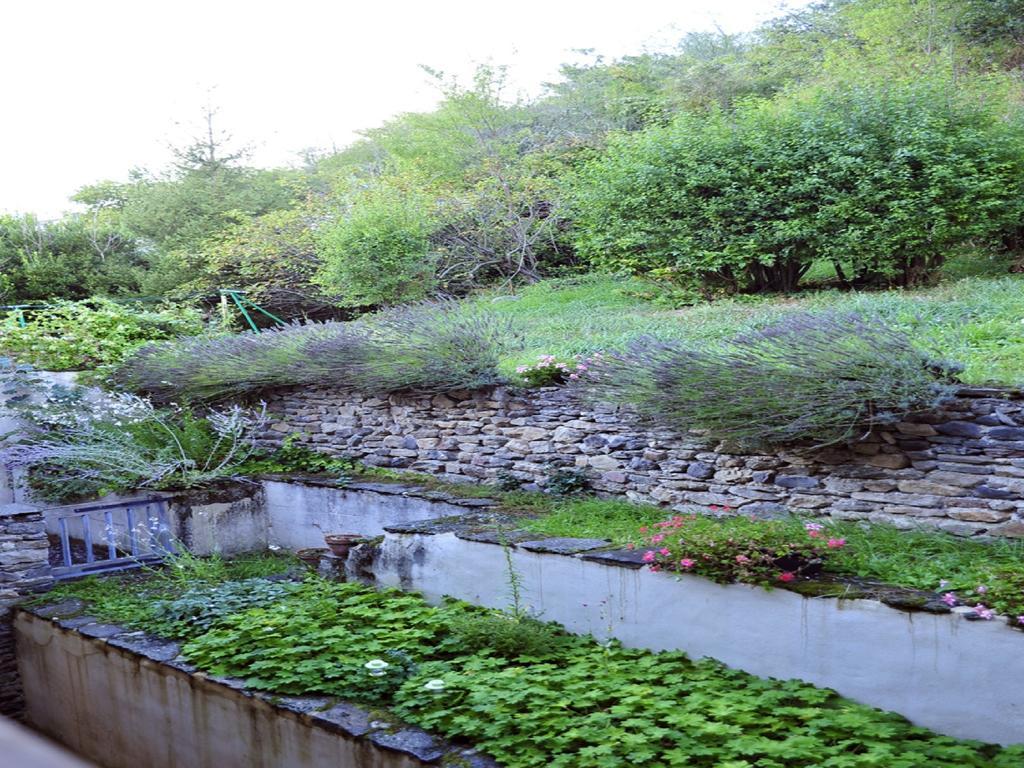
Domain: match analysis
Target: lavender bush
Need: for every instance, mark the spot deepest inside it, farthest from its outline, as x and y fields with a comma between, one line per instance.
x=433, y=346
x=810, y=378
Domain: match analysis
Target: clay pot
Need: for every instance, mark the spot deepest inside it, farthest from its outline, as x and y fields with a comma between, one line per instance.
x=311, y=556
x=342, y=543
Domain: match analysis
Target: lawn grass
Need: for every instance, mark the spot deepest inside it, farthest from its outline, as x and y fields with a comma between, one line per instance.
x=977, y=321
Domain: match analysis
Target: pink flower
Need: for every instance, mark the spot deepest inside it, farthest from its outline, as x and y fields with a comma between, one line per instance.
x=1020, y=620
x=950, y=599
x=657, y=538
x=655, y=568
x=742, y=559
x=643, y=529
x=664, y=551
x=631, y=545
x=786, y=576
x=985, y=613
x=573, y=376
x=814, y=534
x=688, y=563
x=649, y=556
x=836, y=543
x=982, y=589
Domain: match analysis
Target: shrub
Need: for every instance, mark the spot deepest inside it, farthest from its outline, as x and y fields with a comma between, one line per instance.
x=433, y=346
x=505, y=634
x=822, y=378
x=213, y=368
x=202, y=606
x=881, y=181
x=70, y=335
x=744, y=550
x=76, y=444
x=378, y=252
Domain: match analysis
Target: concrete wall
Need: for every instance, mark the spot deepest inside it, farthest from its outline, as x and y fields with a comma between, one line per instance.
x=299, y=514
x=124, y=702
x=958, y=677
x=961, y=469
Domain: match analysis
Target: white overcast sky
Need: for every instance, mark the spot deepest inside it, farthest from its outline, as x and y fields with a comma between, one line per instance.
x=92, y=88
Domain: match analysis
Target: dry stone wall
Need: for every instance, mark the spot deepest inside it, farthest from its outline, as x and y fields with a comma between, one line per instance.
x=961, y=469
x=24, y=568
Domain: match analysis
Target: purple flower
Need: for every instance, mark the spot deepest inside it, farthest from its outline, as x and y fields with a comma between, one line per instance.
x=983, y=612
x=950, y=599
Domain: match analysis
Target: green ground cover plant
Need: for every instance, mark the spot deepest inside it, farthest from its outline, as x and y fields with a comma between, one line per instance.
x=570, y=701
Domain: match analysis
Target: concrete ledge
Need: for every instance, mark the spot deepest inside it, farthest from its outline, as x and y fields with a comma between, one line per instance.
x=115, y=697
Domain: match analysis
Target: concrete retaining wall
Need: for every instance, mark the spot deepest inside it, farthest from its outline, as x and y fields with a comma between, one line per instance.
x=122, y=700
x=955, y=676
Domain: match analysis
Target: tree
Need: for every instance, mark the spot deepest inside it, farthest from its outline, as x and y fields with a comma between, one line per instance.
x=885, y=181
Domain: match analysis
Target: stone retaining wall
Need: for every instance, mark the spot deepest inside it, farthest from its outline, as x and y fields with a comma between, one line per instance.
x=23, y=568
x=961, y=470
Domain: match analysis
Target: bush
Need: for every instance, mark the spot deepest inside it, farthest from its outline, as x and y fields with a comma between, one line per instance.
x=378, y=252
x=434, y=346
x=76, y=444
x=822, y=378
x=749, y=551
x=70, y=335
x=880, y=181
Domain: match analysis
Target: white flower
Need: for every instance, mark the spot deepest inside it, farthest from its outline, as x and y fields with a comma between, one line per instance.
x=434, y=686
x=376, y=667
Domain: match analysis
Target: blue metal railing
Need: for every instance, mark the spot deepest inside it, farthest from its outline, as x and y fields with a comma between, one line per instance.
x=136, y=532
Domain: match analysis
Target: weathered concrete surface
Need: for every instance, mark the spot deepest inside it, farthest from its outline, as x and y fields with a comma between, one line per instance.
x=958, y=677
x=299, y=514
x=111, y=702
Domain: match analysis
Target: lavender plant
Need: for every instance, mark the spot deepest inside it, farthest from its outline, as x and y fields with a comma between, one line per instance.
x=810, y=378
x=434, y=346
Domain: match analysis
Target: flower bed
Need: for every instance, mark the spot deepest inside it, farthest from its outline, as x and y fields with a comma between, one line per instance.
x=526, y=692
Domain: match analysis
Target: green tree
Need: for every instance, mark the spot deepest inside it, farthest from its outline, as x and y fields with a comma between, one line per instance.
x=884, y=180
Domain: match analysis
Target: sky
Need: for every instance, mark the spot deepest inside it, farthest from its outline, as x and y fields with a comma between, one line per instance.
x=93, y=88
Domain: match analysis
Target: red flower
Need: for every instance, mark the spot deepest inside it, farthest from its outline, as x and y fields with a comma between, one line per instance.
x=786, y=576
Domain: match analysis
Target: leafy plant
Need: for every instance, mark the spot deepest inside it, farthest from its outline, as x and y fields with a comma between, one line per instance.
x=291, y=457
x=566, y=482
x=881, y=180
x=69, y=335
x=203, y=605
x=744, y=550
x=819, y=378
x=75, y=443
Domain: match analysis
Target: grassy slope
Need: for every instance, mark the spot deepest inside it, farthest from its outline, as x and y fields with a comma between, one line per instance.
x=978, y=321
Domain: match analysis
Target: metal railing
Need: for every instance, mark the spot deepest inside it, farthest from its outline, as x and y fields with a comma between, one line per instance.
x=132, y=533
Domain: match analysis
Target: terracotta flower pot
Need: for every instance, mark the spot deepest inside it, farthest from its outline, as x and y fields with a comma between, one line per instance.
x=342, y=543
x=311, y=556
